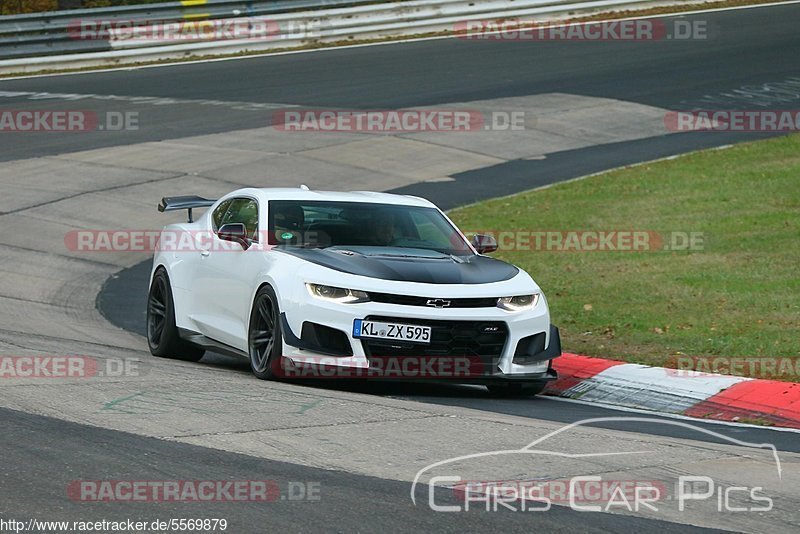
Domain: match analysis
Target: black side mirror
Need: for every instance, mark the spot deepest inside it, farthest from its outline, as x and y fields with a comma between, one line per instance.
x=234, y=232
x=484, y=243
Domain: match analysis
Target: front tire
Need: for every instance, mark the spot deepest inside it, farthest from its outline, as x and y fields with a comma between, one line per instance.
x=264, y=335
x=162, y=334
x=516, y=390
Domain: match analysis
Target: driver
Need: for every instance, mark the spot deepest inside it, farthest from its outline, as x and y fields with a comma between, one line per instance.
x=383, y=228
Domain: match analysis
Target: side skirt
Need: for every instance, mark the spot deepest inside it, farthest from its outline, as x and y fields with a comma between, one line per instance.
x=212, y=345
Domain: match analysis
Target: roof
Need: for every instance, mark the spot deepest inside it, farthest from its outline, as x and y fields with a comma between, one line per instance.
x=292, y=193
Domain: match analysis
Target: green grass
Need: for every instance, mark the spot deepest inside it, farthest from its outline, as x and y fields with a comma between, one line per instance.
x=738, y=296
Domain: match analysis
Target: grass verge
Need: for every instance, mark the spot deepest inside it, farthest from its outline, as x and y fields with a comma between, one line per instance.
x=736, y=295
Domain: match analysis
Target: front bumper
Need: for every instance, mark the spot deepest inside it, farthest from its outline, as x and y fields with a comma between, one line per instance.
x=457, y=352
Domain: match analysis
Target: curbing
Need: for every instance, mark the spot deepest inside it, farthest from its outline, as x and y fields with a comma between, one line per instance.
x=690, y=393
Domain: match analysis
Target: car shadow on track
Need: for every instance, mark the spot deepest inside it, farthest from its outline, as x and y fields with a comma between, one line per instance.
x=384, y=388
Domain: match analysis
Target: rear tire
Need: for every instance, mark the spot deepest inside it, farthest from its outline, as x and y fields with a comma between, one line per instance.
x=265, y=342
x=162, y=334
x=516, y=390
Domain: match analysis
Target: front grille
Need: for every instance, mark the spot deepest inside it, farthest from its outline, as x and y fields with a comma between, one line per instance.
x=481, y=340
x=410, y=300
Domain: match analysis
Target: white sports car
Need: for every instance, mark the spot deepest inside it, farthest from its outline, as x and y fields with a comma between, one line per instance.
x=325, y=284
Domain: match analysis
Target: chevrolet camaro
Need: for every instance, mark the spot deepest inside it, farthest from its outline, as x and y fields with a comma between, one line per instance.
x=324, y=284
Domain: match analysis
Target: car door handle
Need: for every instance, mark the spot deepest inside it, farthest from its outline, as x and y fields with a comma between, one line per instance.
x=204, y=253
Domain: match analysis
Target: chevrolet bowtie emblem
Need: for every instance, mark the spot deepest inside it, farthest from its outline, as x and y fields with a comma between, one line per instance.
x=438, y=303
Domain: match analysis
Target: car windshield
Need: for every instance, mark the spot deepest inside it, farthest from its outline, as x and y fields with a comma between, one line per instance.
x=323, y=224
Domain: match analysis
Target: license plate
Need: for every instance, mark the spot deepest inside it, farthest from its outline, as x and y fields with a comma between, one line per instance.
x=399, y=332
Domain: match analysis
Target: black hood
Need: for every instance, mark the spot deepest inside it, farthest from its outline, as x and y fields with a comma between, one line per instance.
x=408, y=264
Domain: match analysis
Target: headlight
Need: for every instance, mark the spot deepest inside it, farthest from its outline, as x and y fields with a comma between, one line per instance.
x=518, y=303
x=337, y=294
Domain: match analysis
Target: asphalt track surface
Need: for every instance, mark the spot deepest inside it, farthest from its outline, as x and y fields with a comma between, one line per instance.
x=744, y=48
x=41, y=453
x=347, y=502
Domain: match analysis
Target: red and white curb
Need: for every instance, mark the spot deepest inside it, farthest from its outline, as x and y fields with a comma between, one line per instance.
x=690, y=393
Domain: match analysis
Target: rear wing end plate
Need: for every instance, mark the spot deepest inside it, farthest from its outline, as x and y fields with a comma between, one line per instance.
x=184, y=203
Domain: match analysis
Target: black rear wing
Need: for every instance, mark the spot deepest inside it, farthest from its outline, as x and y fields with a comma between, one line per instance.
x=184, y=203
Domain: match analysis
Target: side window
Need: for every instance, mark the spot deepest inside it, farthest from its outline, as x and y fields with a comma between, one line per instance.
x=219, y=213
x=245, y=211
